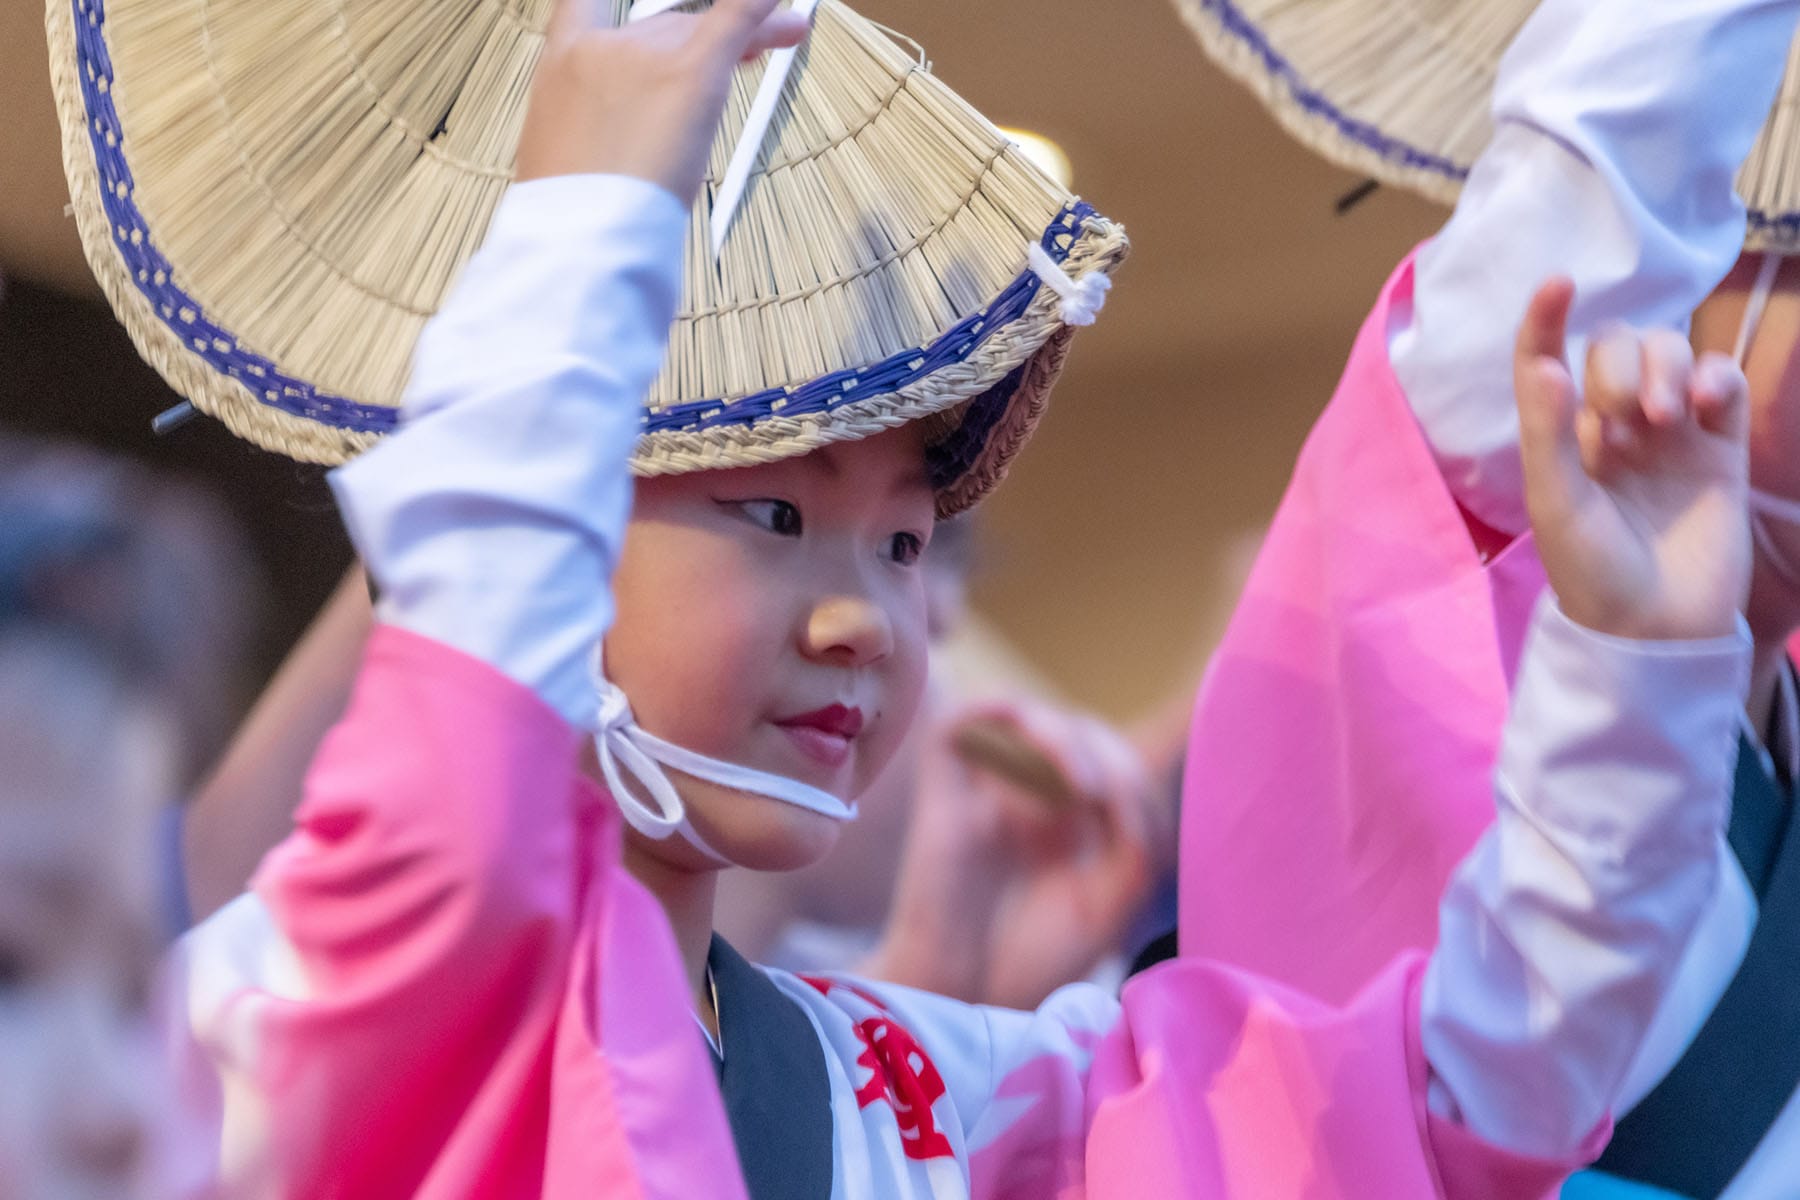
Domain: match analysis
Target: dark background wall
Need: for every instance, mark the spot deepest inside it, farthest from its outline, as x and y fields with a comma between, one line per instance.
x=67, y=369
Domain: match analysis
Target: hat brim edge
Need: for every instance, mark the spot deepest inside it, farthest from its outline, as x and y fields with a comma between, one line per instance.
x=1038, y=336
x=227, y=400
x=1235, y=43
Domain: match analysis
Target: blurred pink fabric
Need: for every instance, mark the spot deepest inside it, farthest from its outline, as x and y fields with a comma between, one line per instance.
x=1345, y=735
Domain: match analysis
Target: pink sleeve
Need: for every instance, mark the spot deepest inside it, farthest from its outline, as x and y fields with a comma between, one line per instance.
x=425, y=897
x=1344, y=737
x=452, y=988
x=1215, y=1084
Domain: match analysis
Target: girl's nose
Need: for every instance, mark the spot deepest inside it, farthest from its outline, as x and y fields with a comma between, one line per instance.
x=848, y=631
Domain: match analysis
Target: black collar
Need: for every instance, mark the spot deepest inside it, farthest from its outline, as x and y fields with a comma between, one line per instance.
x=773, y=1077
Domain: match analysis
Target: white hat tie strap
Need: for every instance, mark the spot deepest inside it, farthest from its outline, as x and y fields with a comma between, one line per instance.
x=1766, y=504
x=617, y=744
x=1758, y=303
x=1082, y=299
x=628, y=754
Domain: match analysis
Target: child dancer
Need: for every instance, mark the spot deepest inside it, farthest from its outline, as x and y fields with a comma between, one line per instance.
x=1382, y=626
x=456, y=978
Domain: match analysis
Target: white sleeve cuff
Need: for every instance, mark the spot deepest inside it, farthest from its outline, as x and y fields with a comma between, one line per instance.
x=1619, y=129
x=491, y=521
x=1562, y=930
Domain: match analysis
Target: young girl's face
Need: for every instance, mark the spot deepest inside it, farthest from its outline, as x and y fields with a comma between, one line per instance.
x=81, y=1079
x=774, y=617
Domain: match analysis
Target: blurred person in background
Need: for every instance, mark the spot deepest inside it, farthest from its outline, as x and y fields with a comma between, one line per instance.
x=176, y=582
x=110, y=680
x=158, y=571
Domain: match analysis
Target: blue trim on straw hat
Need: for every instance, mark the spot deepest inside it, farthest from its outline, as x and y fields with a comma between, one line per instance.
x=152, y=272
x=955, y=456
x=1232, y=19
x=891, y=374
x=221, y=350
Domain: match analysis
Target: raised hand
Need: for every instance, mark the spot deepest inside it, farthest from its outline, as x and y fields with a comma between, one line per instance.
x=642, y=99
x=1637, y=487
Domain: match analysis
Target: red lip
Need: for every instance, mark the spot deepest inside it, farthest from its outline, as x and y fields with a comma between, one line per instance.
x=835, y=719
x=824, y=735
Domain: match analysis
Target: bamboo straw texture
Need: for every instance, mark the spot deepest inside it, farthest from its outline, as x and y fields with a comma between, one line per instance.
x=311, y=175
x=1399, y=90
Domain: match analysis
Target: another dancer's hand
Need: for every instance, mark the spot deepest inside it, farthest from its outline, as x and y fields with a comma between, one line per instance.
x=642, y=99
x=1005, y=893
x=1637, y=487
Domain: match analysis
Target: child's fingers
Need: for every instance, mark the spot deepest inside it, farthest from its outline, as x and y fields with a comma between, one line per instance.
x=1543, y=333
x=781, y=30
x=1591, y=443
x=1053, y=734
x=1127, y=781
x=1721, y=397
x=1548, y=445
x=1667, y=375
x=1025, y=743
x=1546, y=396
x=1614, y=381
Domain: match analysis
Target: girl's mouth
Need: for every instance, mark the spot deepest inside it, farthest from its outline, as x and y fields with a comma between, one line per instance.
x=825, y=734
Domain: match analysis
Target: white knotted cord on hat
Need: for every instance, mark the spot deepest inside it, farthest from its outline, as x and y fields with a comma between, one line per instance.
x=1082, y=299
x=1756, y=305
x=1764, y=505
x=756, y=123
x=630, y=755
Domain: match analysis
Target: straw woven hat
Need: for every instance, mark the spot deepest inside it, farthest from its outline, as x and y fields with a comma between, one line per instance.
x=276, y=194
x=1399, y=90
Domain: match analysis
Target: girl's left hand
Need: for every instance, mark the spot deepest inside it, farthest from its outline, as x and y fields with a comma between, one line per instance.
x=1637, y=486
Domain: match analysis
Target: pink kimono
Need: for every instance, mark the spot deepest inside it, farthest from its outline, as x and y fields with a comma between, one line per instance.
x=1341, y=745
x=1338, y=767
x=1339, y=758
x=445, y=985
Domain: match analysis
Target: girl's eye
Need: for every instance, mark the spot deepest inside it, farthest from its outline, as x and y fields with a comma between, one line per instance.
x=905, y=548
x=777, y=516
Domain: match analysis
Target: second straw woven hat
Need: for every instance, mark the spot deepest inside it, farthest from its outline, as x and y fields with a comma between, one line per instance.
x=276, y=195
x=1399, y=90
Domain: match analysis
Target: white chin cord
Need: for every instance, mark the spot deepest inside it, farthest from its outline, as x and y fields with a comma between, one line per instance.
x=1766, y=506
x=630, y=756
